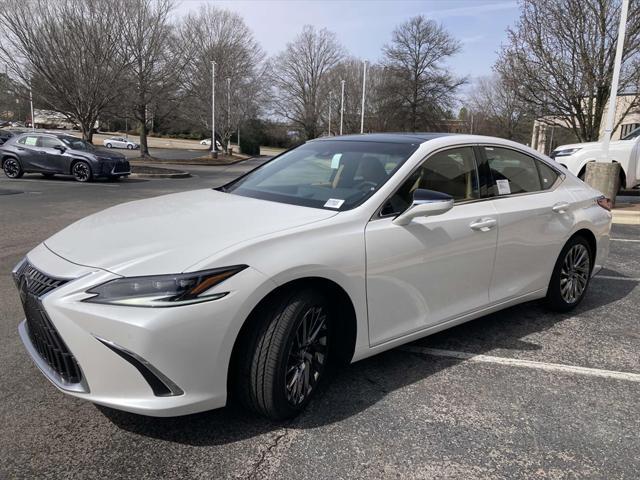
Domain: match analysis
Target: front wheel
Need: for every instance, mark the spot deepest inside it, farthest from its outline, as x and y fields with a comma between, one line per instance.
x=284, y=362
x=130, y=147
x=571, y=275
x=109, y=145
x=81, y=171
x=12, y=168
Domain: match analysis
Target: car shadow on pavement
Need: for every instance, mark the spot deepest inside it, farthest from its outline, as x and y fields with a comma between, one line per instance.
x=363, y=384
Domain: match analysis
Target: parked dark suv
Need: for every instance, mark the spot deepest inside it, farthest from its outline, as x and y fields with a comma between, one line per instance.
x=51, y=153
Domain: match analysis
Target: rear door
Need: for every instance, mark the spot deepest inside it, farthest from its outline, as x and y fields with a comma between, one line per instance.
x=27, y=147
x=534, y=220
x=436, y=268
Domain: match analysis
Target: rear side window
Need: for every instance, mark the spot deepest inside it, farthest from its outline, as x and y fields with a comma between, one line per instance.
x=29, y=140
x=548, y=175
x=512, y=171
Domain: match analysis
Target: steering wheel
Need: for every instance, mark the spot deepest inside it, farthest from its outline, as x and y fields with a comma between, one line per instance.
x=366, y=183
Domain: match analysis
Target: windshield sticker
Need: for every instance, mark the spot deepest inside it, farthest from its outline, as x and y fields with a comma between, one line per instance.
x=334, y=203
x=31, y=141
x=335, y=161
x=503, y=187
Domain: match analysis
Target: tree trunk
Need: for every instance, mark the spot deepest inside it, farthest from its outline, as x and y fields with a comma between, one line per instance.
x=142, y=116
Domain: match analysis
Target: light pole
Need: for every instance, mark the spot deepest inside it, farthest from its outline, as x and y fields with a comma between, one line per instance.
x=604, y=174
x=228, y=110
x=33, y=120
x=214, y=153
x=330, y=113
x=341, y=103
x=364, y=87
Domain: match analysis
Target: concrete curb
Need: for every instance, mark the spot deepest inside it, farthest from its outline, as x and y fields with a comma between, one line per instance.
x=190, y=162
x=161, y=175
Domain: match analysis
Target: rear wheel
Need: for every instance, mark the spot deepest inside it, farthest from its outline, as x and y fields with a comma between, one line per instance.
x=284, y=362
x=12, y=168
x=108, y=145
x=81, y=171
x=571, y=275
x=130, y=147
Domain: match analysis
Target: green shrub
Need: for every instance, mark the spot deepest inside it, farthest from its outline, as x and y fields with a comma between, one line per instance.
x=249, y=146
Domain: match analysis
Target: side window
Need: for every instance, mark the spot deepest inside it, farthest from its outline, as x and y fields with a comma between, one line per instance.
x=548, y=175
x=48, y=142
x=512, y=171
x=451, y=171
x=32, y=141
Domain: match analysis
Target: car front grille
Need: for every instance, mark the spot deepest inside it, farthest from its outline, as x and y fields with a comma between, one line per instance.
x=121, y=167
x=33, y=285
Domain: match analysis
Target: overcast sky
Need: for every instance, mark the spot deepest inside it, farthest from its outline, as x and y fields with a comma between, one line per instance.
x=364, y=26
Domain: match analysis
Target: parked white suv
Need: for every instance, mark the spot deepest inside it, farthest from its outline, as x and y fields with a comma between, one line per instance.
x=576, y=156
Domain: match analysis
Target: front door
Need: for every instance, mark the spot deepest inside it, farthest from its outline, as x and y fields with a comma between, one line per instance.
x=436, y=268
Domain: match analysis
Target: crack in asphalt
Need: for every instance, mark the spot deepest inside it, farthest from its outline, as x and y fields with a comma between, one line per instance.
x=266, y=454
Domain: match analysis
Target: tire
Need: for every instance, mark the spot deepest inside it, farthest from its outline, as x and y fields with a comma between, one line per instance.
x=12, y=168
x=108, y=145
x=129, y=147
x=571, y=275
x=271, y=378
x=81, y=171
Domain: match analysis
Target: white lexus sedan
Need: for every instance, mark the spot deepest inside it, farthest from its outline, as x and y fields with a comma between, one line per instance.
x=331, y=252
x=120, y=142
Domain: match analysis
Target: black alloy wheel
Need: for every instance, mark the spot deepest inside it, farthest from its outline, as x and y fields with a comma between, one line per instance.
x=12, y=168
x=81, y=171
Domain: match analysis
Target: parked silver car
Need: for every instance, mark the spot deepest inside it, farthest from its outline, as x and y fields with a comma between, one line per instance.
x=120, y=142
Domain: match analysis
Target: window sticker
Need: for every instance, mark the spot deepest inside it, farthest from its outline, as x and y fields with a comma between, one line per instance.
x=335, y=161
x=334, y=203
x=503, y=187
x=31, y=141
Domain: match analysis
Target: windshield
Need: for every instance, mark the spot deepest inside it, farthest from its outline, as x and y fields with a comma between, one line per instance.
x=77, y=144
x=331, y=174
x=633, y=134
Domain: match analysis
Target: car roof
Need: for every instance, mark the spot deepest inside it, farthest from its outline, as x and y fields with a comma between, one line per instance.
x=399, y=137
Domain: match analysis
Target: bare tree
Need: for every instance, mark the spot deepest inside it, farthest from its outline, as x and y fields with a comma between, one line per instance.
x=420, y=86
x=300, y=77
x=155, y=59
x=559, y=59
x=70, y=49
x=213, y=34
x=498, y=110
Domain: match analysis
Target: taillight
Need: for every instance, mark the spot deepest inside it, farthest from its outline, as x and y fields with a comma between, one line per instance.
x=604, y=202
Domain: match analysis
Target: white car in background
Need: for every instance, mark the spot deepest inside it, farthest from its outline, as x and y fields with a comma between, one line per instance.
x=329, y=253
x=120, y=142
x=207, y=141
x=575, y=157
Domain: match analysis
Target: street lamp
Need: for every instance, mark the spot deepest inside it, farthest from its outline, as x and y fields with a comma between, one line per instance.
x=604, y=174
x=228, y=110
x=214, y=153
x=341, y=104
x=330, y=113
x=364, y=86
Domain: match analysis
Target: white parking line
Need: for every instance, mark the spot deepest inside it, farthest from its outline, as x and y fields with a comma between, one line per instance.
x=609, y=277
x=65, y=184
x=513, y=362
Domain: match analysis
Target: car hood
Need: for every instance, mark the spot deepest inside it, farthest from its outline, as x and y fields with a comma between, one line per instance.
x=589, y=145
x=168, y=234
x=106, y=154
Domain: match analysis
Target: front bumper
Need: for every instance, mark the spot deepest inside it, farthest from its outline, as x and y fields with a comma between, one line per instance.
x=151, y=361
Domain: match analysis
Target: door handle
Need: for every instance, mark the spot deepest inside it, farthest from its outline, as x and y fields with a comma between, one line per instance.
x=483, y=224
x=561, y=207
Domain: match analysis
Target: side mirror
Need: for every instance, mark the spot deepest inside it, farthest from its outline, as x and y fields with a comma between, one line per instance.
x=61, y=148
x=425, y=204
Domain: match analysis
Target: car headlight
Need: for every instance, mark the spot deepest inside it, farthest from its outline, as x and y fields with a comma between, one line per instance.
x=163, y=290
x=564, y=153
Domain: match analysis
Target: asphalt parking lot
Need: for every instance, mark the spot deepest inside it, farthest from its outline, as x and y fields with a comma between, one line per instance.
x=522, y=393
